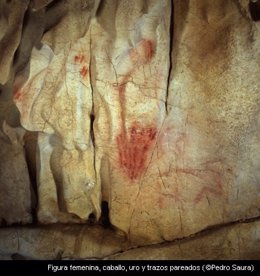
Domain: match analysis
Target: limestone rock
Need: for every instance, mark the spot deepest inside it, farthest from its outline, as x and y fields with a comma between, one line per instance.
x=60, y=242
x=237, y=242
x=15, y=196
x=11, y=22
x=234, y=242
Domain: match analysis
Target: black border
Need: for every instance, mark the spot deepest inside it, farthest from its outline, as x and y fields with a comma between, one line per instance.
x=131, y=267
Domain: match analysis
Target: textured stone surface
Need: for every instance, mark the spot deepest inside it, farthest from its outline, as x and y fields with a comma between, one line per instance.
x=15, y=196
x=11, y=24
x=235, y=242
x=56, y=242
x=141, y=115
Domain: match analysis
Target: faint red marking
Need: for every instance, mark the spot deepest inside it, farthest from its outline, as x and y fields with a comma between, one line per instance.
x=140, y=55
x=216, y=190
x=17, y=94
x=143, y=52
x=133, y=149
x=180, y=141
x=166, y=200
x=79, y=58
x=83, y=71
x=206, y=175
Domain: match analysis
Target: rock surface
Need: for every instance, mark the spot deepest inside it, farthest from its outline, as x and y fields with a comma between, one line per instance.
x=141, y=116
x=239, y=241
x=16, y=195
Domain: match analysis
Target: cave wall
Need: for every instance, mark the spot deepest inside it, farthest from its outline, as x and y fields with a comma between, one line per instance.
x=127, y=124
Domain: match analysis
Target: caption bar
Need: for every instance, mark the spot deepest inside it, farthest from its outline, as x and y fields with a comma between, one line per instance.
x=150, y=268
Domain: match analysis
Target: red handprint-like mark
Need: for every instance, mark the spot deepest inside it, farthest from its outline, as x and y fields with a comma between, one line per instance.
x=134, y=148
x=134, y=144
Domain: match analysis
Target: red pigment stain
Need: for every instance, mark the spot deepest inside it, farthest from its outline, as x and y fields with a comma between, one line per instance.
x=140, y=55
x=79, y=58
x=17, y=94
x=134, y=144
x=166, y=199
x=148, y=48
x=216, y=190
x=83, y=71
x=133, y=149
x=143, y=52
